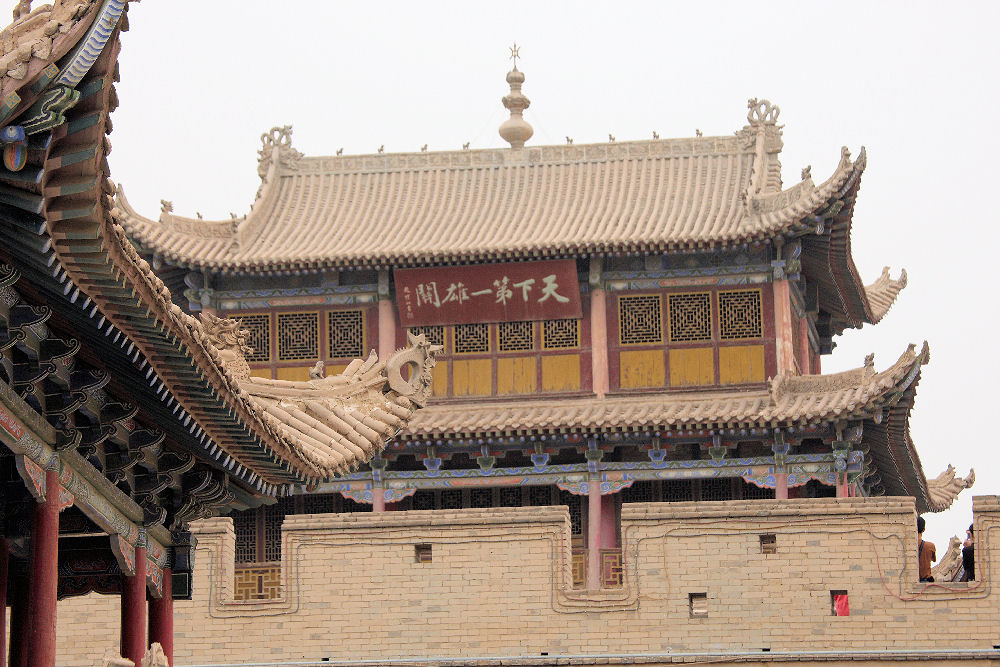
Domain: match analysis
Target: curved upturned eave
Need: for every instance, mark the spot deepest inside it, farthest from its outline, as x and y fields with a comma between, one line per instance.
x=626, y=226
x=828, y=261
x=136, y=303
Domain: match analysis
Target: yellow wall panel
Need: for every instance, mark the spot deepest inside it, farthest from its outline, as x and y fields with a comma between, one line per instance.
x=691, y=366
x=516, y=375
x=641, y=368
x=260, y=373
x=472, y=377
x=439, y=375
x=561, y=372
x=335, y=369
x=298, y=373
x=739, y=365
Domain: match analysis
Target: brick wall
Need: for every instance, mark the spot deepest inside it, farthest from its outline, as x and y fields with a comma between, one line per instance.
x=498, y=583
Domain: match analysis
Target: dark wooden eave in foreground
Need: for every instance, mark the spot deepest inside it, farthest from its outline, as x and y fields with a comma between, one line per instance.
x=58, y=232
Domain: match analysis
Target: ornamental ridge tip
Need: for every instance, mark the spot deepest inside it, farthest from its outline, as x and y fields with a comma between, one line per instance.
x=515, y=129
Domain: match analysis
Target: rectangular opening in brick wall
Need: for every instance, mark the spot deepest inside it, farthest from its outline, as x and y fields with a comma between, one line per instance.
x=768, y=543
x=838, y=603
x=698, y=605
x=422, y=553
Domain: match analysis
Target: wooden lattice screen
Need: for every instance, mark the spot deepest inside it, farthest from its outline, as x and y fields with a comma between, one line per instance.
x=560, y=334
x=298, y=336
x=740, y=315
x=690, y=317
x=640, y=319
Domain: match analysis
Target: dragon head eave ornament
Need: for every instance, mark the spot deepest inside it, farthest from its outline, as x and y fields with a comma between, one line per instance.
x=417, y=362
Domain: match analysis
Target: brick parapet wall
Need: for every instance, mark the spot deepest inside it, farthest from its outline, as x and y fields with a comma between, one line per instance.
x=498, y=584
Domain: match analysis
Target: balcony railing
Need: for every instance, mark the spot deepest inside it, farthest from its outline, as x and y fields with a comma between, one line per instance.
x=257, y=581
x=611, y=568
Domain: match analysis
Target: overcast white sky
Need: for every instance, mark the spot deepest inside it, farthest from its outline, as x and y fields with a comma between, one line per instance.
x=914, y=82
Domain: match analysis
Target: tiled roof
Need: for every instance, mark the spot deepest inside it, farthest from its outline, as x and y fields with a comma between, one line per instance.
x=786, y=399
x=399, y=209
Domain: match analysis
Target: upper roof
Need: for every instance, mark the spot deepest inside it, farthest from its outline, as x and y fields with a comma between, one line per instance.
x=470, y=205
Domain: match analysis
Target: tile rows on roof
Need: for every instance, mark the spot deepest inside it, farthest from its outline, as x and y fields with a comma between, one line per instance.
x=787, y=399
x=469, y=205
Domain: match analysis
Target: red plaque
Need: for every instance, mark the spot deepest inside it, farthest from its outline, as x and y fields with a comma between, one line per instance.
x=488, y=293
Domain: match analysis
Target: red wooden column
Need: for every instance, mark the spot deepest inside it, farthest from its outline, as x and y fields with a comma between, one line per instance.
x=134, y=610
x=386, y=318
x=785, y=351
x=594, y=534
x=43, y=577
x=378, y=499
x=4, y=554
x=598, y=330
x=18, y=655
x=161, y=618
x=842, y=485
x=804, y=347
x=781, y=486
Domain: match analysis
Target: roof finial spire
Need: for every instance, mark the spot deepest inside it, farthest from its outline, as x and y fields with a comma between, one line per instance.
x=515, y=129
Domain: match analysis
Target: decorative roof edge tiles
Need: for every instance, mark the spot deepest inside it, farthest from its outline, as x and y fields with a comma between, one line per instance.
x=787, y=399
x=944, y=489
x=34, y=39
x=762, y=210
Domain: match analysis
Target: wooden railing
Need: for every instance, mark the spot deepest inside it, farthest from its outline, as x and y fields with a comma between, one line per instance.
x=611, y=568
x=257, y=581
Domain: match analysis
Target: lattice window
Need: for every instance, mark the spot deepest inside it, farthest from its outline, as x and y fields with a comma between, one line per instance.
x=451, y=499
x=298, y=336
x=690, y=317
x=471, y=338
x=639, y=492
x=245, y=525
x=259, y=328
x=257, y=582
x=579, y=568
x=349, y=505
x=575, y=510
x=640, y=319
x=716, y=488
x=740, y=315
x=560, y=334
x=320, y=503
x=274, y=515
x=539, y=495
x=754, y=492
x=481, y=498
x=434, y=334
x=346, y=333
x=611, y=568
x=423, y=500
x=677, y=491
x=516, y=336
x=510, y=496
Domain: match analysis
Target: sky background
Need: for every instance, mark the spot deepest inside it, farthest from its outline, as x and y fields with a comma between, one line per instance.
x=913, y=82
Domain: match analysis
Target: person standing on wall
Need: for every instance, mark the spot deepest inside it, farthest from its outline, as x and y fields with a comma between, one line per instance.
x=969, y=555
x=926, y=552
